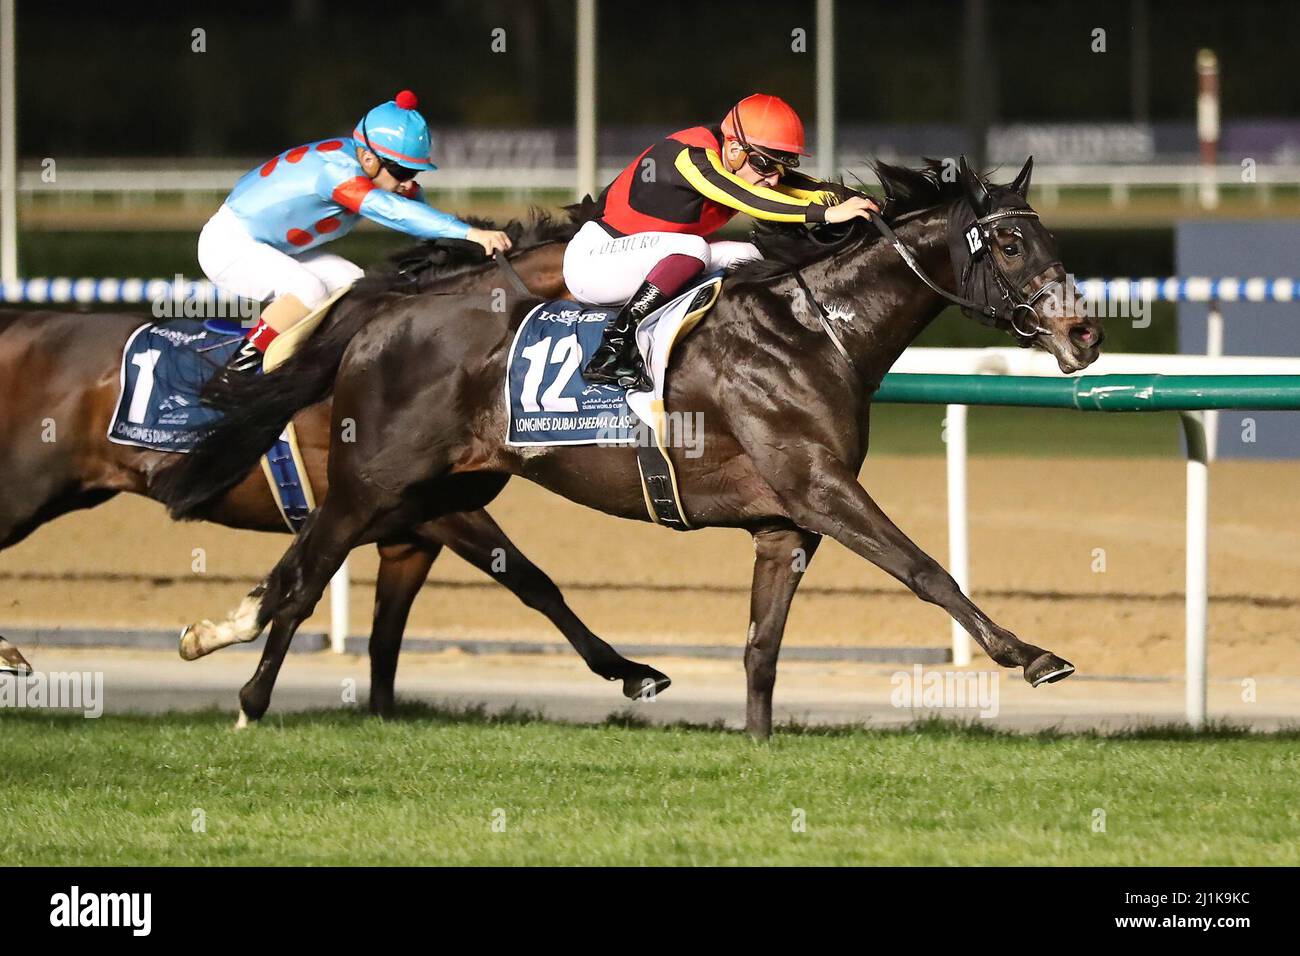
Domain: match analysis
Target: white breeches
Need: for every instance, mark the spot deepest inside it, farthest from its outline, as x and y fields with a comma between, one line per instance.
x=600, y=270
x=238, y=264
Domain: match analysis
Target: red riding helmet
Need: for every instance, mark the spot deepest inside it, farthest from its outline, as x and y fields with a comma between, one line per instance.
x=768, y=124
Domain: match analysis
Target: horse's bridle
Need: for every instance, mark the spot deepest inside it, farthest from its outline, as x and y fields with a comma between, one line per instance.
x=978, y=238
x=979, y=244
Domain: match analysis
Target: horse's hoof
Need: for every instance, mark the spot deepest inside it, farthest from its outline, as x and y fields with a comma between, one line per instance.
x=1047, y=668
x=12, y=660
x=646, y=685
x=242, y=722
x=191, y=647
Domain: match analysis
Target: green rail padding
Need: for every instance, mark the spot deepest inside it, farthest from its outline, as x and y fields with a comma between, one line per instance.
x=1105, y=393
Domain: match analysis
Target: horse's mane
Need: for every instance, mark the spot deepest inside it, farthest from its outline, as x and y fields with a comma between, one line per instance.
x=416, y=267
x=790, y=246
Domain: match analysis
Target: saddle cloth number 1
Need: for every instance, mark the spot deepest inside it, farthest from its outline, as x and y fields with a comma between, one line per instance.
x=145, y=362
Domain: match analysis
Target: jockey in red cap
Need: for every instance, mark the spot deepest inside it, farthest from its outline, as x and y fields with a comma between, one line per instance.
x=649, y=238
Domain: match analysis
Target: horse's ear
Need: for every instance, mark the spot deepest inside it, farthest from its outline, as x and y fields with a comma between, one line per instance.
x=1021, y=183
x=976, y=190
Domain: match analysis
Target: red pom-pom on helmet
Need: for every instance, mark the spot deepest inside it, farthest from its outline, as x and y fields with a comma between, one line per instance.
x=406, y=100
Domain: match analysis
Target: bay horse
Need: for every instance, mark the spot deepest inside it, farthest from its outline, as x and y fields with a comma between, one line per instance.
x=60, y=372
x=783, y=389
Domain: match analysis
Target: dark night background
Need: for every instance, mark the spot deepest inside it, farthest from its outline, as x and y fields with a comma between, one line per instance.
x=119, y=79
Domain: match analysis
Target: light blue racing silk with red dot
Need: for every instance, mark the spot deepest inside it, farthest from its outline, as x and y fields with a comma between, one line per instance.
x=315, y=193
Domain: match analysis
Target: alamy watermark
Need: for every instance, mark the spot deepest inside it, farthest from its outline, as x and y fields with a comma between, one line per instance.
x=54, y=690
x=1068, y=298
x=174, y=301
x=919, y=689
x=133, y=911
x=683, y=430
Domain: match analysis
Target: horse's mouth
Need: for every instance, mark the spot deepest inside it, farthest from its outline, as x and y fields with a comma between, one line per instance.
x=1074, y=350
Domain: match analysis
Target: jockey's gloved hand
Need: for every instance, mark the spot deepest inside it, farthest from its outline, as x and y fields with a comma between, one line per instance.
x=852, y=207
x=492, y=240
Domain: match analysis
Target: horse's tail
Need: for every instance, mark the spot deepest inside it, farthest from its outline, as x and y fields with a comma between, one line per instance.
x=257, y=410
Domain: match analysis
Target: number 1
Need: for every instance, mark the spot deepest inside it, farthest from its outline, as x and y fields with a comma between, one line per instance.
x=145, y=362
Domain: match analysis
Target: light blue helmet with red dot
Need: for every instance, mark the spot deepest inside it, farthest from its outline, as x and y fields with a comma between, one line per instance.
x=396, y=133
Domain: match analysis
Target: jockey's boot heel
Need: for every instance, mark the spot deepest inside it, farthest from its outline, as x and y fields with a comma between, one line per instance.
x=618, y=361
x=244, y=363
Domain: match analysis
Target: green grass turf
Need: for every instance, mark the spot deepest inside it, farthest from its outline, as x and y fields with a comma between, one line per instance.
x=339, y=788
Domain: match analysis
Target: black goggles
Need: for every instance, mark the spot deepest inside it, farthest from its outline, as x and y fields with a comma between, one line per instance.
x=765, y=165
x=400, y=173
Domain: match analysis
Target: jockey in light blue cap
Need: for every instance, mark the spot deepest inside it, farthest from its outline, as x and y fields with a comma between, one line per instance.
x=396, y=133
x=263, y=243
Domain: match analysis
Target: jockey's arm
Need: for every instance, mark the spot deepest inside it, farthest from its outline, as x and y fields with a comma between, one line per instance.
x=411, y=216
x=491, y=240
x=800, y=186
x=704, y=171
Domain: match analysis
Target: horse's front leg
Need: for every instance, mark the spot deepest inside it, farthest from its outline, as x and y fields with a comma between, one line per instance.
x=780, y=558
x=822, y=495
x=403, y=567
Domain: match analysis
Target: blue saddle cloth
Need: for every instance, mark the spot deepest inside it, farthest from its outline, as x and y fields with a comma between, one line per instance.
x=164, y=368
x=548, y=400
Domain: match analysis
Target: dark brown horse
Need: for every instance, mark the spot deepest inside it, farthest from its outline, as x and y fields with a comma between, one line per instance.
x=784, y=397
x=60, y=378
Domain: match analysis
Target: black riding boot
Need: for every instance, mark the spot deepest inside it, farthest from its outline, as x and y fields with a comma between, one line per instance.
x=244, y=363
x=618, y=361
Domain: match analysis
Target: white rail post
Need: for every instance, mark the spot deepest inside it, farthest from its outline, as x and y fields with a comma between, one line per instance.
x=585, y=100
x=958, y=542
x=339, y=585
x=1207, y=125
x=825, y=41
x=1197, y=581
x=1214, y=349
x=8, y=148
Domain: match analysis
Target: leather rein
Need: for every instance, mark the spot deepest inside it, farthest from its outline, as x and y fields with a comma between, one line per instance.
x=979, y=236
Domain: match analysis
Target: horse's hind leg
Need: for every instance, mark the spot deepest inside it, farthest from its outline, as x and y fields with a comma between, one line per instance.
x=403, y=568
x=295, y=585
x=241, y=626
x=479, y=540
x=780, y=559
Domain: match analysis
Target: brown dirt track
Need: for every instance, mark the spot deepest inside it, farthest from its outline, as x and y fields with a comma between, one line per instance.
x=1035, y=525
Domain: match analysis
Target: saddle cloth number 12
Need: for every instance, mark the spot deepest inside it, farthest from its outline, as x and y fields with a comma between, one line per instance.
x=568, y=355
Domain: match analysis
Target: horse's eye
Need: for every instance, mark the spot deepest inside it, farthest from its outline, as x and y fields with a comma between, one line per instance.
x=1011, y=250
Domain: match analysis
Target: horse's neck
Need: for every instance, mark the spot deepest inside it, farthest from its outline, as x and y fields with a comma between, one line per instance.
x=894, y=305
x=540, y=268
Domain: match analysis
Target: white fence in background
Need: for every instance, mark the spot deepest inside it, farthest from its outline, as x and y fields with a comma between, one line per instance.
x=136, y=185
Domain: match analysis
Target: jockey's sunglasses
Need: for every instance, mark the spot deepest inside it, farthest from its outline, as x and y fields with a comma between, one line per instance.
x=400, y=173
x=763, y=164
